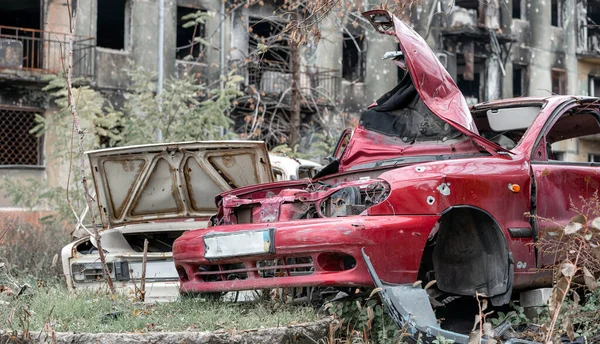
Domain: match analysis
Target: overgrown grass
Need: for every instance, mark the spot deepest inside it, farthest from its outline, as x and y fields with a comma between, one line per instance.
x=30, y=246
x=54, y=308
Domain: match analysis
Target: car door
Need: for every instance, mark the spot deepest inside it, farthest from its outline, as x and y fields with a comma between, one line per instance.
x=563, y=175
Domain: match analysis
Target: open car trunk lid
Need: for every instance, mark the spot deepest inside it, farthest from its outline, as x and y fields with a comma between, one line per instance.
x=173, y=181
x=434, y=84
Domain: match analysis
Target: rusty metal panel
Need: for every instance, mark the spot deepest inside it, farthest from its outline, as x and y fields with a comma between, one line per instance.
x=11, y=53
x=166, y=181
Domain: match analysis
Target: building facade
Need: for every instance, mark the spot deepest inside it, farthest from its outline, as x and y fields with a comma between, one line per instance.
x=494, y=49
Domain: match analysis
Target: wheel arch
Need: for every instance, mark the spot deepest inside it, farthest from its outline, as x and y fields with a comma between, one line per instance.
x=467, y=252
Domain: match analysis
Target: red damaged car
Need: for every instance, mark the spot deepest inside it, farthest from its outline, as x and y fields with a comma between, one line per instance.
x=428, y=188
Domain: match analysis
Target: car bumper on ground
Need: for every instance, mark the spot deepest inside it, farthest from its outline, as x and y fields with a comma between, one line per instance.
x=315, y=252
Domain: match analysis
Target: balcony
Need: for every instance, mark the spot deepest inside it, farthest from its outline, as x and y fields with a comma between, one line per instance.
x=29, y=53
x=318, y=86
x=588, y=30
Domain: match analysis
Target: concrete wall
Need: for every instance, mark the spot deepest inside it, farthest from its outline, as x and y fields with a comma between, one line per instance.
x=584, y=71
x=142, y=41
x=381, y=76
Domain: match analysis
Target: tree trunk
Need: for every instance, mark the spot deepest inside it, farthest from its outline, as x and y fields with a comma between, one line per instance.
x=296, y=98
x=81, y=133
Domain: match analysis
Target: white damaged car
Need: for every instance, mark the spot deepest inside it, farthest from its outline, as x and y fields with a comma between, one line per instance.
x=156, y=192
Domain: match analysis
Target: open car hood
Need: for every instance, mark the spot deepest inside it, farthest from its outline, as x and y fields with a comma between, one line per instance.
x=173, y=181
x=435, y=86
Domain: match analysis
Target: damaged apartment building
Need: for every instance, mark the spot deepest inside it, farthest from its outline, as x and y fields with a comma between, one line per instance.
x=493, y=49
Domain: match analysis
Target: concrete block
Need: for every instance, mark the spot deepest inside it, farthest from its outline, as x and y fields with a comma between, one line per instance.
x=536, y=297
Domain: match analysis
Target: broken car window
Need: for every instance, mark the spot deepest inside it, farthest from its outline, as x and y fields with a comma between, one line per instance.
x=401, y=113
x=572, y=130
x=505, y=126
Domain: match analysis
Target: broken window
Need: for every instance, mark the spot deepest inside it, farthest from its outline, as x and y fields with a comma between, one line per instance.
x=19, y=147
x=593, y=157
x=353, y=57
x=468, y=74
x=265, y=36
x=23, y=13
x=113, y=24
x=559, y=81
x=469, y=88
x=517, y=10
x=470, y=5
x=271, y=73
x=555, y=17
x=519, y=86
x=186, y=45
x=560, y=156
x=572, y=138
x=20, y=46
x=594, y=86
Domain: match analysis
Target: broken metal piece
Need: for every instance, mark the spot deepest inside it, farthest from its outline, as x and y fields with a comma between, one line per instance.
x=409, y=305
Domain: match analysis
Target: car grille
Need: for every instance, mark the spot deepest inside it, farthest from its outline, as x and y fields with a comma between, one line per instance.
x=278, y=267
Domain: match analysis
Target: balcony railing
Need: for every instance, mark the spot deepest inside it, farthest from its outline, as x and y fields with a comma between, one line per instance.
x=43, y=51
x=317, y=84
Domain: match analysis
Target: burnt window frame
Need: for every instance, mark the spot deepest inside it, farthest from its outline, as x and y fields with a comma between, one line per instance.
x=555, y=13
x=592, y=80
x=179, y=22
x=519, y=9
x=350, y=39
x=523, y=73
x=127, y=18
x=562, y=81
x=40, y=163
x=278, y=45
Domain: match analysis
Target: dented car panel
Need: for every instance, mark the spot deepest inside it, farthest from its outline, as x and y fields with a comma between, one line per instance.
x=331, y=258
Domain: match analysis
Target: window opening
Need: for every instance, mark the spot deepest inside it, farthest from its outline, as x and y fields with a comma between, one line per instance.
x=594, y=86
x=559, y=81
x=353, y=58
x=268, y=33
x=469, y=88
x=186, y=35
x=573, y=138
x=555, y=13
x=113, y=24
x=23, y=13
x=271, y=73
x=593, y=157
x=516, y=9
x=517, y=81
x=469, y=5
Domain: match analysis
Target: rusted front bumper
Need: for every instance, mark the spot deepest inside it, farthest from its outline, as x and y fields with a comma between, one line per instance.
x=315, y=252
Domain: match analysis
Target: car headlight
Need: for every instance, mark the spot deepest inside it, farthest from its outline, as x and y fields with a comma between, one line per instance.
x=93, y=272
x=354, y=199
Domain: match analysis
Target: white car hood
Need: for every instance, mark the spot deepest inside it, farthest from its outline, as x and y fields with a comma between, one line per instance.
x=173, y=181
